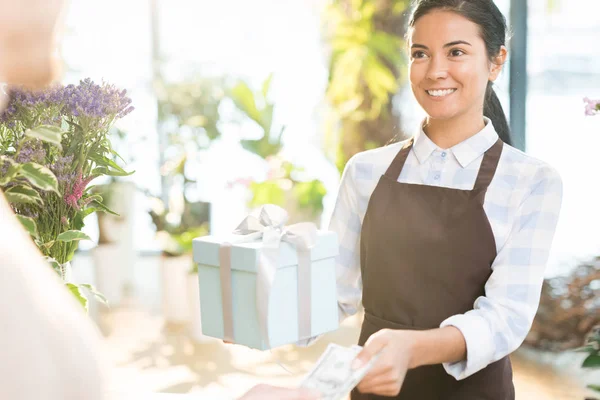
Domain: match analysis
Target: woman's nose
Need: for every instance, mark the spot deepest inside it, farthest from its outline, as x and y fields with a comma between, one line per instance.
x=437, y=69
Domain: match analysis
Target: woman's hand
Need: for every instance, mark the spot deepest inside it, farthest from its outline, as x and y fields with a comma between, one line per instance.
x=267, y=392
x=395, y=349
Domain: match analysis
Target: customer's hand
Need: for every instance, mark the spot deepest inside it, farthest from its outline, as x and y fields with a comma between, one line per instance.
x=268, y=392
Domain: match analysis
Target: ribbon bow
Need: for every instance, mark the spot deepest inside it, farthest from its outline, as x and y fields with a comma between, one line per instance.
x=270, y=227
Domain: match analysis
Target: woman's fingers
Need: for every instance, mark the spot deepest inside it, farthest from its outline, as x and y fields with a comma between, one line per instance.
x=375, y=344
x=390, y=389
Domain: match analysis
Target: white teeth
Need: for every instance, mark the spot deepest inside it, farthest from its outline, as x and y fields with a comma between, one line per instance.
x=440, y=93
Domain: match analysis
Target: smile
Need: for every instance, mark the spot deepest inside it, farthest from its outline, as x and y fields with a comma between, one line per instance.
x=440, y=93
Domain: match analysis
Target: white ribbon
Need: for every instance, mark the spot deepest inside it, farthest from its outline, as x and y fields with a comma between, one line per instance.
x=270, y=227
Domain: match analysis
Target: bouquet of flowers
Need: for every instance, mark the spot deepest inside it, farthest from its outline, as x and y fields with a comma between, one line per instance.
x=53, y=143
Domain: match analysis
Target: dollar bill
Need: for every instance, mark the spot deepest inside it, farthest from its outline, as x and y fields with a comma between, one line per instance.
x=333, y=375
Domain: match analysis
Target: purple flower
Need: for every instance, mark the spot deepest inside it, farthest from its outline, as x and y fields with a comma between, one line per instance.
x=4, y=166
x=86, y=99
x=592, y=107
x=21, y=98
x=32, y=151
x=91, y=100
x=62, y=170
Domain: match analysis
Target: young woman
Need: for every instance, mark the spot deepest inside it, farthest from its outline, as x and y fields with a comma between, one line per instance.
x=445, y=237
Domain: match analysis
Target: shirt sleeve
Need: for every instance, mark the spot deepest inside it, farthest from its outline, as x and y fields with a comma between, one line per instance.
x=346, y=222
x=500, y=320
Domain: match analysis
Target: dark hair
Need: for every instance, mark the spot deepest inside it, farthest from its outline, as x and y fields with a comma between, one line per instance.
x=493, y=30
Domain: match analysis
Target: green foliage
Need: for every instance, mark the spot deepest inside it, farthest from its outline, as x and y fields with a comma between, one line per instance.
x=592, y=348
x=287, y=188
x=29, y=225
x=283, y=187
x=47, y=133
x=189, y=115
x=256, y=106
x=190, y=110
x=176, y=244
x=367, y=55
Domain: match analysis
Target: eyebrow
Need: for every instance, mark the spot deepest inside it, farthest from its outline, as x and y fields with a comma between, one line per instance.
x=422, y=46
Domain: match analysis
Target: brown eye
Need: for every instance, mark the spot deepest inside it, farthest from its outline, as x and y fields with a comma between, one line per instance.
x=418, y=54
x=456, y=53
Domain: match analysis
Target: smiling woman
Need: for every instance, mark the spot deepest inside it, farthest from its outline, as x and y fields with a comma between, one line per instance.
x=455, y=57
x=445, y=237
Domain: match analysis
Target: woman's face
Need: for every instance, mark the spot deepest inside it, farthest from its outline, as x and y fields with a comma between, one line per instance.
x=449, y=65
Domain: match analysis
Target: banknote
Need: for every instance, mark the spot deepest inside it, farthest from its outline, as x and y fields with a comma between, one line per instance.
x=333, y=375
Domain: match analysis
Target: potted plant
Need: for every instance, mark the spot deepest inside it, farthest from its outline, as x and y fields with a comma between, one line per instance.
x=286, y=184
x=53, y=143
x=175, y=231
x=188, y=114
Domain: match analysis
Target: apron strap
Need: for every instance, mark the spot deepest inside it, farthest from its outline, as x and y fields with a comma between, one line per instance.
x=488, y=167
x=393, y=171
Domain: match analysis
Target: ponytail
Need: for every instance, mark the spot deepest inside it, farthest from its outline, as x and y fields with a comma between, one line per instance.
x=493, y=110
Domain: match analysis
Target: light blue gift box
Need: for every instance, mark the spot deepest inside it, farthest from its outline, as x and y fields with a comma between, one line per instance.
x=283, y=301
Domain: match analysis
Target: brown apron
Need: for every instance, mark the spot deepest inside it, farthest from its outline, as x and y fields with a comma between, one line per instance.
x=426, y=253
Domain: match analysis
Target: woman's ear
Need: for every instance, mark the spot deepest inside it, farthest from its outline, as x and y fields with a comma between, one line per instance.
x=498, y=63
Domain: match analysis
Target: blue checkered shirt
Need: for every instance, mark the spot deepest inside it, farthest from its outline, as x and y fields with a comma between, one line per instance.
x=522, y=204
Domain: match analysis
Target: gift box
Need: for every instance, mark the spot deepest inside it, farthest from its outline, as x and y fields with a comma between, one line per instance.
x=267, y=285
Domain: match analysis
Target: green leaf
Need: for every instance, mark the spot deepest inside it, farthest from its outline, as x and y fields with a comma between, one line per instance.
x=76, y=291
x=594, y=388
x=54, y=264
x=12, y=171
x=39, y=176
x=267, y=85
x=46, y=133
x=101, y=207
x=95, y=292
x=592, y=361
x=29, y=225
x=584, y=349
x=310, y=195
x=72, y=235
x=266, y=117
x=243, y=98
x=102, y=161
x=21, y=194
x=98, y=171
x=387, y=46
x=47, y=245
x=267, y=193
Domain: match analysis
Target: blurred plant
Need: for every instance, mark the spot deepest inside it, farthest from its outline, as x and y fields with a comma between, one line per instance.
x=108, y=190
x=190, y=109
x=592, y=343
x=188, y=113
x=569, y=307
x=367, y=47
x=53, y=143
x=285, y=185
x=256, y=106
x=592, y=348
x=175, y=225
